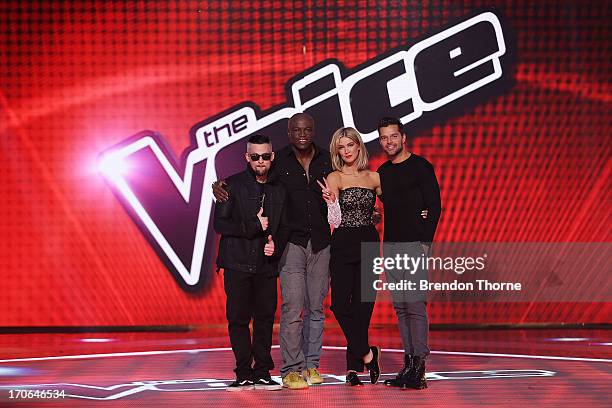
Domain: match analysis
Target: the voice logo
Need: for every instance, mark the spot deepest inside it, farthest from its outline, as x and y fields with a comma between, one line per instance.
x=171, y=200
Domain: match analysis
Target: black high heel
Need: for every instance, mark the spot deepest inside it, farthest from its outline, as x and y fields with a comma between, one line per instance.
x=353, y=380
x=374, y=365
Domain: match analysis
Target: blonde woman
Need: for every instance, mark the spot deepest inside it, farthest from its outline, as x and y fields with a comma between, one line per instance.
x=350, y=192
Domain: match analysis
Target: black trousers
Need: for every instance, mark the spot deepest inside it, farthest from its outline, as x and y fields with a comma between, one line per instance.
x=352, y=313
x=250, y=296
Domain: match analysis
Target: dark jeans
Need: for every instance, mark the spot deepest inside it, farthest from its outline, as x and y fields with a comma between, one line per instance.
x=413, y=326
x=350, y=311
x=410, y=306
x=250, y=296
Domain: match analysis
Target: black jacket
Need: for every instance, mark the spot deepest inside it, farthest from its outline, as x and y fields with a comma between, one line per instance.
x=242, y=239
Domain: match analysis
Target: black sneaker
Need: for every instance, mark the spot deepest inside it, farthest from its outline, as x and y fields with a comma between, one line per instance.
x=267, y=384
x=240, y=385
x=353, y=380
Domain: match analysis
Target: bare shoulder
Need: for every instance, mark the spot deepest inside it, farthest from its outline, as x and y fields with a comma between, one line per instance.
x=334, y=175
x=374, y=181
x=334, y=179
x=373, y=176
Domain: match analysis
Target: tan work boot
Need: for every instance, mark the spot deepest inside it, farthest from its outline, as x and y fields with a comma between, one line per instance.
x=294, y=381
x=312, y=376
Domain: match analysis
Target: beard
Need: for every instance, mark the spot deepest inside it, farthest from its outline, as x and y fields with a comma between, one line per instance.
x=260, y=171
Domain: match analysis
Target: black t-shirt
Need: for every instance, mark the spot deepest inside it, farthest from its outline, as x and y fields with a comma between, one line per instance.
x=408, y=188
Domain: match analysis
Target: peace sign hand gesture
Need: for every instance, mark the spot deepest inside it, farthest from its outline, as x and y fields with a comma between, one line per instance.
x=328, y=195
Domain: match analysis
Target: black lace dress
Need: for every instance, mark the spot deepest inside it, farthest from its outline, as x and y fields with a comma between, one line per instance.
x=352, y=292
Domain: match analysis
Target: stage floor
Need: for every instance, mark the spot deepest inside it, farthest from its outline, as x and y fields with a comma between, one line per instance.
x=543, y=368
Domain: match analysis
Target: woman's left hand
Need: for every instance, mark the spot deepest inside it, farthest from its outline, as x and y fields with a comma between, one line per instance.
x=328, y=195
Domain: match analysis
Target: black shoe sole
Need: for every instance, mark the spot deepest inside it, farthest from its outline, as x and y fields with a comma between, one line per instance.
x=353, y=385
x=421, y=386
x=388, y=383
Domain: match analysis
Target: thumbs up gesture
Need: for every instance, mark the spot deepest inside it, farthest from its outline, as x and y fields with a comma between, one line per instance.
x=269, y=247
x=263, y=220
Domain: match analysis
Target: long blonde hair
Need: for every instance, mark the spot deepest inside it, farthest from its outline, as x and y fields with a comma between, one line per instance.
x=353, y=134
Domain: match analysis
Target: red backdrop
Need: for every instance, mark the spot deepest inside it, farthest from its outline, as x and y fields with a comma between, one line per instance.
x=77, y=77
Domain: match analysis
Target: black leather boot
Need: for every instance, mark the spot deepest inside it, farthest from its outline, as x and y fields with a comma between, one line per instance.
x=403, y=374
x=416, y=380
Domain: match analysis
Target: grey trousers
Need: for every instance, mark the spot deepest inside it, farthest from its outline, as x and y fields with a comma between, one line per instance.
x=304, y=281
x=410, y=307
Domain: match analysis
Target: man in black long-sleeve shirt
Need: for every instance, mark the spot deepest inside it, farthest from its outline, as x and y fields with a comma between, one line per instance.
x=410, y=188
